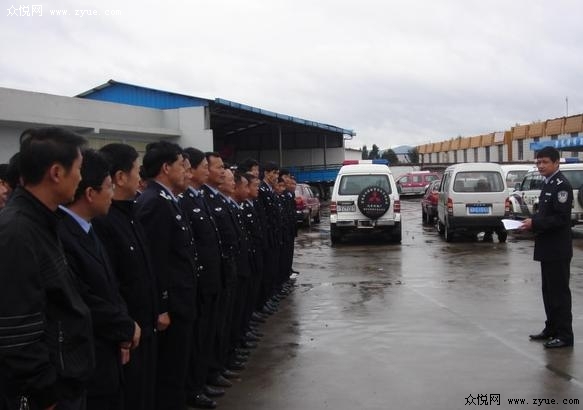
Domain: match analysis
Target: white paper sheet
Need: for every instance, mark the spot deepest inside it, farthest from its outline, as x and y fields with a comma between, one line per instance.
x=510, y=224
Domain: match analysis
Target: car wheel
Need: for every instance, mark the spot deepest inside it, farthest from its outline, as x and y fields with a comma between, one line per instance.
x=317, y=217
x=448, y=233
x=308, y=220
x=397, y=235
x=335, y=235
x=440, y=228
x=502, y=236
x=428, y=218
x=423, y=216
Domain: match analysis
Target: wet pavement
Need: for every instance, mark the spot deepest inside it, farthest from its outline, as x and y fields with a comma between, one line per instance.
x=421, y=325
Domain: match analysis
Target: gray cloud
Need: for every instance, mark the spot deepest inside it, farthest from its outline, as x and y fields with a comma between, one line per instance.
x=396, y=72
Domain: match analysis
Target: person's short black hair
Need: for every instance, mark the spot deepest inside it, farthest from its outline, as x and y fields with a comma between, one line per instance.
x=3, y=171
x=13, y=171
x=42, y=147
x=284, y=171
x=94, y=170
x=250, y=177
x=121, y=157
x=247, y=164
x=270, y=166
x=195, y=156
x=549, y=152
x=158, y=154
x=211, y=154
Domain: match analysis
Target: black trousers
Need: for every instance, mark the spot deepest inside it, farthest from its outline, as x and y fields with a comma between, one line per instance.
x=140, y=374
x=557, y=298
x=174, y=346
x=203, y=355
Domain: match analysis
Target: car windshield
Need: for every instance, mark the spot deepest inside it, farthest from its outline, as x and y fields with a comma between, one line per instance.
x=354, y=184
x=514, y=176
x=478, y=181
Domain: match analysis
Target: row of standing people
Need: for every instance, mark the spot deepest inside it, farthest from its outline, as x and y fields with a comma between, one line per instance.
x=110, y=302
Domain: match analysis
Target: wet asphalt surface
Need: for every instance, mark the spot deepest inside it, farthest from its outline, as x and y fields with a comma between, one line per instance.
x=421, y=325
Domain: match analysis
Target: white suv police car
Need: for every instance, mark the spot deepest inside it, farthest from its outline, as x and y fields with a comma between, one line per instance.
x=524, y=201
x=365, y=198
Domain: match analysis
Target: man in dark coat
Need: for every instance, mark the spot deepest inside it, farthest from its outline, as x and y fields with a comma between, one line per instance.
x=124, y=239
x=204, y=360
x=114, y=330
x=46, y=349
x=553, y=247
x=173, y=254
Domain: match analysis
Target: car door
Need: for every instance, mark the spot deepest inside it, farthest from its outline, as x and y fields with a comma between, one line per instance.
x=443, y=195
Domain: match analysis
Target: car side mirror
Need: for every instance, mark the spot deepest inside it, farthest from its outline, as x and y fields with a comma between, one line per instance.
x=399, y=188
x=517, y=186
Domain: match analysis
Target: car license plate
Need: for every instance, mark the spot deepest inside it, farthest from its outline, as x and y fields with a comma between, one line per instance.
x=346, y=208
x=478, y=210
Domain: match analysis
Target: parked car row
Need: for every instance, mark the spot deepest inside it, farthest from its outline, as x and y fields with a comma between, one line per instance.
x=523, y=202
x=307, y=205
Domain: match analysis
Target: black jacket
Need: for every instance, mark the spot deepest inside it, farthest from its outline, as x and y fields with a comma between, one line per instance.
x=207, y=239
x=124, y=239
x=552, y=222
x=171, y=249
x=46, y=343
x=112, y=324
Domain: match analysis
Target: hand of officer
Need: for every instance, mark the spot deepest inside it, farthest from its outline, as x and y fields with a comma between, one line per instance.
x=137, y=335
x=526, y=225
x=124, y=355
x=163, y=321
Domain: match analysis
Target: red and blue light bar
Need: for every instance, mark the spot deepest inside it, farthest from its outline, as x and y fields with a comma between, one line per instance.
x=365, y=161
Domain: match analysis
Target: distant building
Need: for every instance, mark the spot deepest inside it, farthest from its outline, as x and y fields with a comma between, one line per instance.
x=518, y=144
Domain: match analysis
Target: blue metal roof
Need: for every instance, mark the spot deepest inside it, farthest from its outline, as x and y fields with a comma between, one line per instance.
x=124, y=93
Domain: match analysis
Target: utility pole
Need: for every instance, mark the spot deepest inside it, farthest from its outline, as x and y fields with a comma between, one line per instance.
x=567, y=105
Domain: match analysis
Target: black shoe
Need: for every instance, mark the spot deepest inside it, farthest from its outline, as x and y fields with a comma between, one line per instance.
x=248, y=345
x=230, y=374
x=541, y=336
x=557, y=342
x=257, y=333
x=219, y=381
x=256, y=317
x=251, y=337
x=213, y=391
x=201, y=401
x=236, y=366
x=240, y=358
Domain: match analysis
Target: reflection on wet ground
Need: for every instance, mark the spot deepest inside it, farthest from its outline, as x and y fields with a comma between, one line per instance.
x=421, y=325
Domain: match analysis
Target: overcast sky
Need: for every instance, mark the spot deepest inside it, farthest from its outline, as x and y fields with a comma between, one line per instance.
x=396, y=72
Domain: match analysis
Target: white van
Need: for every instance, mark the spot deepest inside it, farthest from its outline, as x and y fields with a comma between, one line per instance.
x=523, y=202
x=514, y=173
x=472, y=199
x=365, y=198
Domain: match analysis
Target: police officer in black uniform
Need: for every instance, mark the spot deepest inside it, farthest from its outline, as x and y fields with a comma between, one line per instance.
x=554, y=249
x=208, y=245
x=125, y=241
x=173, y=255
x=230, y=233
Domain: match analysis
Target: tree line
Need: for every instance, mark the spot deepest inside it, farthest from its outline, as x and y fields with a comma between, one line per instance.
x=390, y=155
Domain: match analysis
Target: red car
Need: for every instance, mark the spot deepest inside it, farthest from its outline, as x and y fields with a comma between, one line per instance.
x=307, y=205
x=429, y=202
